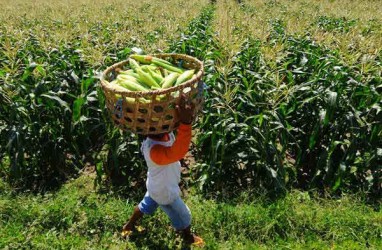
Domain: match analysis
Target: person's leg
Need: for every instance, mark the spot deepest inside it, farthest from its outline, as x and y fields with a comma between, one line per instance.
x=137, y=214
x=180, y=217
x=146, y=206
x=179, y=214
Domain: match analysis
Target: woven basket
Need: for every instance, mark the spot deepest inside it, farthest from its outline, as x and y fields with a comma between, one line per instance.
x=152, y=112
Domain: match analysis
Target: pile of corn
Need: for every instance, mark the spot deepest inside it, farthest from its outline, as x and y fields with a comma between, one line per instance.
x=149, y=73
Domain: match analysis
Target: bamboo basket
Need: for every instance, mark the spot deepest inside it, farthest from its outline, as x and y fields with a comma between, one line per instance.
x=152, y=112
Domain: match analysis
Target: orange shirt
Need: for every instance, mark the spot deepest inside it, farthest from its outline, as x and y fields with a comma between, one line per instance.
x=162, y=155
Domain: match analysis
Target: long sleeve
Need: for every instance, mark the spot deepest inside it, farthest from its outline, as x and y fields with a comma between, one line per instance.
x=162, y=155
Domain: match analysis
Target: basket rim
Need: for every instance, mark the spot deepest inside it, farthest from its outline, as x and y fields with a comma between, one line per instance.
x=118, y=90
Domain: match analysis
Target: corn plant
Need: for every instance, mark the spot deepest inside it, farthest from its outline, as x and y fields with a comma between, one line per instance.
x=37, y=133
x=308, y=115
x=335, y=24
x=333, y=116
x=239, y=131
x=260, y=132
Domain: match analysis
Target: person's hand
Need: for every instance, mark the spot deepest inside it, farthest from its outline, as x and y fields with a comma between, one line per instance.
x=185, y=110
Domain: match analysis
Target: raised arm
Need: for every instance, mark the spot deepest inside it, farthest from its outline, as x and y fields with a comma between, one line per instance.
x=162, y=155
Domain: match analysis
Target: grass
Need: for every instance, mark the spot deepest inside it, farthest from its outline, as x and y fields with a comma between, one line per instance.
x=78, y=217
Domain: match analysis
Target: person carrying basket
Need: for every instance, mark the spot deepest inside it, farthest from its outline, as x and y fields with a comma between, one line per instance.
x=162, y=153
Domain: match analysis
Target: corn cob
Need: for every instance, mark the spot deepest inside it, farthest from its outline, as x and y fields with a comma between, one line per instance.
x=155, y=74
x=185, y=76
x=143, y=76
x=157, y=77
x=117, y=87
x=130, y=85
x=129, y=72
x=131, y=100
x=169, y=80
x=148, y=59
x=164, y=72
x=142, y=58
x=160, y=63
x=157, y=61
x=146, y=67
x=146, y=78
x=133, y=64
x=127, y=77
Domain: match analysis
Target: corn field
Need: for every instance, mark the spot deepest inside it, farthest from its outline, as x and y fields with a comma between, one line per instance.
x=293, y=96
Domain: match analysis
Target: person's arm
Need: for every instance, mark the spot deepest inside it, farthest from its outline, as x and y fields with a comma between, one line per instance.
x=162, y=155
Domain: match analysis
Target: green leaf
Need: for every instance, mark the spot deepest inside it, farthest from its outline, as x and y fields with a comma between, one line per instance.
x=99, y=168
x=313, y=137
x=86, y=84
x=77, y=105
x=26, y=74
x=59, y=100
x=332, y=98
x=337, y=183
x=41, y=71
x=75, y=78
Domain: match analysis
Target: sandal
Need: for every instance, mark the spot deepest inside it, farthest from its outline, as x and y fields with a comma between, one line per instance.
x=126, y=233
x=198, y=242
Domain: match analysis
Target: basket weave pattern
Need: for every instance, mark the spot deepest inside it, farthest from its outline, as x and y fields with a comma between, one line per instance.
x=152, y=112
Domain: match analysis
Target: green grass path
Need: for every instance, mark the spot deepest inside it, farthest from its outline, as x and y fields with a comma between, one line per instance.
x=78, y=217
